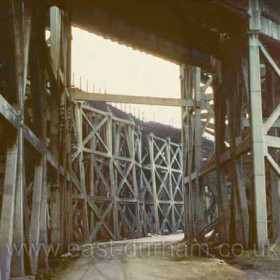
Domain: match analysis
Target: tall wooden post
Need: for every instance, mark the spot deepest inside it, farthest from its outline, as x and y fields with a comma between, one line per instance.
x=109, y=131
x=38, y=85
x=191, y=118
x=155, y=195
x=55, y=28
x=187, y=140
x=258, y=153
x=171, y=190
x=79, y=126
x=134, y=177
x=200, y=207
x=22, y=52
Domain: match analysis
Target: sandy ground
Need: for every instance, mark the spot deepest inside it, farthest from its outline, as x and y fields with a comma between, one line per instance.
x=153, y=258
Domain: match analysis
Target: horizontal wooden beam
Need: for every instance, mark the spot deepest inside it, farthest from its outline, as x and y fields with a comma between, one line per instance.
x=246, y=122
x=78, y=95
x=272, y=141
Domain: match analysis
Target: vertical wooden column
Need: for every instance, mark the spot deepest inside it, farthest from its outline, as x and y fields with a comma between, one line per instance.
x=22, y=53
x=65, y=131
x=200, y=207
x=91, y=183
x=7, y=214
x=182, y=185
x=84, y=210
x=55, y=22
x=153, y=175
x=259, y=183
x=232, y=90
x=144, y=218
x=187, y=140
x=219, y=105
x=184, y=150
x=34, y=233
x=134, y=177
x=43, y=235
x=38, y=90
x=191, y=78
x=109, y=131
x=55, y=207
x=171, y=191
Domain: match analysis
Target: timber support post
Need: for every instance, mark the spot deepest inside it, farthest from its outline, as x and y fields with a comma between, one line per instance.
x=258, y=152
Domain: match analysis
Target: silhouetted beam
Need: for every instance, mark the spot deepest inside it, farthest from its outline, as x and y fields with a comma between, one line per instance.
x=79, y=95
x=115, y=29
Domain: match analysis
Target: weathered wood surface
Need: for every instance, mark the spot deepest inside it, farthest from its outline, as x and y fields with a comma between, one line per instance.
x=79, y=95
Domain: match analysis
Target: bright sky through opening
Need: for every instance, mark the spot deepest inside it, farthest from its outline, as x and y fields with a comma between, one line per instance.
x=114, y=68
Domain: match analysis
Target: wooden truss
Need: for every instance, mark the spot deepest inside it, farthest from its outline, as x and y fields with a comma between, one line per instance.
x=130, y=189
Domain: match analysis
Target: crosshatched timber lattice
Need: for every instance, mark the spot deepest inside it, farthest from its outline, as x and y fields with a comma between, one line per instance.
x=71, y=172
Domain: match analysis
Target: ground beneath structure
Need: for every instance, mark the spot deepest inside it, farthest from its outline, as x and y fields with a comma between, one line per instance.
x=156, y=257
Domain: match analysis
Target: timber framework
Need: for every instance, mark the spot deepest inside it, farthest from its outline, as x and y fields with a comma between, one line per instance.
x=70, y=172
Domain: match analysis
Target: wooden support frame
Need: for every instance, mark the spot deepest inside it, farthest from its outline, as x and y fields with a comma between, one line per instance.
x=119, y=201
x=24, y=229
x=133, y=189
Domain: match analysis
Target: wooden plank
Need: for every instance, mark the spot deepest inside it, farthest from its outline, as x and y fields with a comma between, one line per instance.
x=130, y=99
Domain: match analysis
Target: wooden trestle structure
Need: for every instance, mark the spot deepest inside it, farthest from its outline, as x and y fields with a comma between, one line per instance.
x=132, y=183
x=72, y=173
